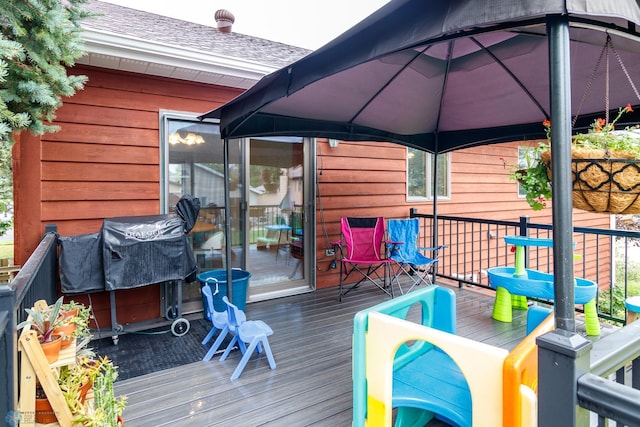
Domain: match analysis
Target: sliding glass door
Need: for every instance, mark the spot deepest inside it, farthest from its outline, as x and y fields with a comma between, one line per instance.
x=277, y=216
x=270, y=213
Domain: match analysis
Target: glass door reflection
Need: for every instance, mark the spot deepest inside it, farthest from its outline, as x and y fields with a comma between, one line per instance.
x=275, y=225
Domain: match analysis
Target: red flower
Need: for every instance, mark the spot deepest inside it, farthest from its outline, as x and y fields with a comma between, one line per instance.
x=513, y=248
x=628, y=108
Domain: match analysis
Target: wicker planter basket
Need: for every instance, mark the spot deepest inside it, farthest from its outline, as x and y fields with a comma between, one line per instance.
x=600, y=184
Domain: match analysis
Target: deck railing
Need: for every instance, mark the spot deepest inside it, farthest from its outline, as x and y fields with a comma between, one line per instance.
x=609, y=357
x=580, y=380
x=603, y=377
x=261, y=216
x=475, y=245
x=36, y=280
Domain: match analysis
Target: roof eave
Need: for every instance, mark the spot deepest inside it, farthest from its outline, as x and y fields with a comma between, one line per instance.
x=115, y=51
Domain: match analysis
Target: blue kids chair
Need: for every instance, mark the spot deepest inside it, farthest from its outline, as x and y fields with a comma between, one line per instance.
x=219, y=321
x=254, y=332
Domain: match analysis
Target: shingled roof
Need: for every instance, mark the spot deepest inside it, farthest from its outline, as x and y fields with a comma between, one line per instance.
x=133, y=40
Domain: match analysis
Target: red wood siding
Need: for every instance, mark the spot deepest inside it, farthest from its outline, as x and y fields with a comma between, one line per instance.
x=104, y=162
x=369, y=179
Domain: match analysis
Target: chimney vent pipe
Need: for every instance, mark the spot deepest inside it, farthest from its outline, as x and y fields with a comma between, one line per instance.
x=225, y=20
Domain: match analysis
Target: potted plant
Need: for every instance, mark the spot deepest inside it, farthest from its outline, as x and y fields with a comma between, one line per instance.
x=75, y=381
x=70, y=309
x=74, y=322
x=43, y=320
x=605, y=170
x=533, y=178
x=106, y=409
x=44, y=413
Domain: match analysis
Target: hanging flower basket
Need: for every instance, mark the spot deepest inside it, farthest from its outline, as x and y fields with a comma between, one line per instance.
x=605, y=163
x=603, y=181
x=605, y=169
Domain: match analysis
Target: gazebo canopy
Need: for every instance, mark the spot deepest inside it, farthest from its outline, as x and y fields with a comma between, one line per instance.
x=441, y=75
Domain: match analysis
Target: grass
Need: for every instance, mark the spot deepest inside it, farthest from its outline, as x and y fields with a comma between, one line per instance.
x=6, y=249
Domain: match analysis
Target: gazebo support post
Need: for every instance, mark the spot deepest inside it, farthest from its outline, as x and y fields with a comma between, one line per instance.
x=227, y=222
x=563, y=355
x=560, y=85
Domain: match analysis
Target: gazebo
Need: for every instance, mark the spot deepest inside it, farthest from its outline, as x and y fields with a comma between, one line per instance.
x=445, y=75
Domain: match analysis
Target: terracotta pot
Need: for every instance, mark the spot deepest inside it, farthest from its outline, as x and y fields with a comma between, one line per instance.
x=44, y=412
x=84, y=389
x=69, y=313
x=67, y=334
x=52, y=348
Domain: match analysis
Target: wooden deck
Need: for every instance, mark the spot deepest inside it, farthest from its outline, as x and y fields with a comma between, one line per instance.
x=312, y=382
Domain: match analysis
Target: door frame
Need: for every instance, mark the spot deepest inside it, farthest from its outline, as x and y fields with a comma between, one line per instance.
x=308, y=283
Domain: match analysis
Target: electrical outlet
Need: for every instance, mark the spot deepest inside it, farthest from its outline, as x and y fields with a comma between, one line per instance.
x=330, y=252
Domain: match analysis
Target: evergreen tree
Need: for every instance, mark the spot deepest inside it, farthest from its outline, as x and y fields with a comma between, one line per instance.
x=39, y=39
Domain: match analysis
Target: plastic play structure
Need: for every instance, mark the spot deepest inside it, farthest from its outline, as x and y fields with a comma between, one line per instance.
x=424, y=370
x=514, y=284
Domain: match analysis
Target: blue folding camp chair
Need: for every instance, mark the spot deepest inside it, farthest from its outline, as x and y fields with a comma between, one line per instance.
x=409, y=258
x=362, y=251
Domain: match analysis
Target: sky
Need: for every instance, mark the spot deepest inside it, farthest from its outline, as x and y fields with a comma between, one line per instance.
x=303, y=23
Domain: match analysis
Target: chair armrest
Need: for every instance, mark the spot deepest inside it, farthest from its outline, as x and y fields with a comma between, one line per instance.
x=392, y=247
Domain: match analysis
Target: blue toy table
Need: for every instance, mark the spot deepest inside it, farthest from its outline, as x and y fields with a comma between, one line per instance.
x=514, y=284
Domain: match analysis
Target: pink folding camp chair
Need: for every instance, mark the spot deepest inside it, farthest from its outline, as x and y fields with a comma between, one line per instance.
x=362, y=251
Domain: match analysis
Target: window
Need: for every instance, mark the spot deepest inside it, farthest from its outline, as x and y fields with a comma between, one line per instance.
x=419, y=174
x=193, y=161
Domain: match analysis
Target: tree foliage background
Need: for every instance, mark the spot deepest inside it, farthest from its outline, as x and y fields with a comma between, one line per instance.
x=39, y=39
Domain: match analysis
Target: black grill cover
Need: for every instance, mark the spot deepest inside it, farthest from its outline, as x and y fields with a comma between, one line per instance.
x=188, y=208
x=80, y=263
x=144, y=250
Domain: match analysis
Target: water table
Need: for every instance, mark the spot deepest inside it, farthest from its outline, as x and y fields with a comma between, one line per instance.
x=514, y=284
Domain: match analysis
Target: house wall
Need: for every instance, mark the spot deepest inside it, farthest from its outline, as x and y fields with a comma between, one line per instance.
x=104, y=163
x=369, y=179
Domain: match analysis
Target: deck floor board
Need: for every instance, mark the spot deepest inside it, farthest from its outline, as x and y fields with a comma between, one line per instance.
x=312, y=382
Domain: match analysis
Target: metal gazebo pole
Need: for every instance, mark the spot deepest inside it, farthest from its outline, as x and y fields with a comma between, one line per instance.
x=560, y=86
x=562, y=354
x=227, y=222
x=434, y=228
